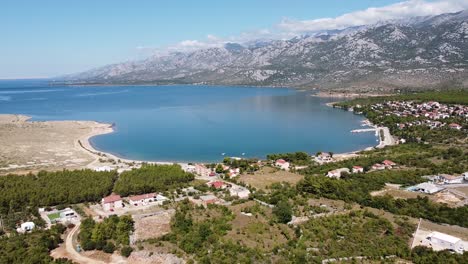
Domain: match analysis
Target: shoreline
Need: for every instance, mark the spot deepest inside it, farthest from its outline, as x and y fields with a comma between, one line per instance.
x=344, y=95
x=103, y=159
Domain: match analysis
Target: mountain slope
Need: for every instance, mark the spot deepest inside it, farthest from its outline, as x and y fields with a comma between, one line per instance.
x=418, y=53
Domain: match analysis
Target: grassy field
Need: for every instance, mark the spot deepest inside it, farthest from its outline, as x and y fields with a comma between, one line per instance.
x=53, y=216
x=267, y=175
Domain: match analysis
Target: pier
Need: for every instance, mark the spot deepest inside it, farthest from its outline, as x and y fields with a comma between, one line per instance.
x=363, y=130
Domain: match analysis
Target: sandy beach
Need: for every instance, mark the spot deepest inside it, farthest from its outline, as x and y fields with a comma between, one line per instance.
x=30, y=146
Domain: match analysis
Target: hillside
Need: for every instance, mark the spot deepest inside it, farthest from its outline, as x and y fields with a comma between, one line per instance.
x=422, y=52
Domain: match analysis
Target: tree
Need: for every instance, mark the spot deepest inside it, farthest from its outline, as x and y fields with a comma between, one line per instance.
x=283, y=211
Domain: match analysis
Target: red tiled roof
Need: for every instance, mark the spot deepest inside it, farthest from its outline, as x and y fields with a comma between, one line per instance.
x=281, y=161
x=142, y=196
x=388, y=162
x=112, y=198
x=217, y=184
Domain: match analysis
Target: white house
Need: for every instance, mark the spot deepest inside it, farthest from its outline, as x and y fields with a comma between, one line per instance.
x=378, y=166
x=441, y=241
x=450, y=179
x=324, y=157
x=67, y=214
x=239, y=191
x=27, y=226
x=465, y=176
x=143, y=199
x=234, y=172
x=103, y=168
x=455, y=126
x=337, y=173
x=112, y=201
x=357, y=169
x=282, y=164
x=427, y=187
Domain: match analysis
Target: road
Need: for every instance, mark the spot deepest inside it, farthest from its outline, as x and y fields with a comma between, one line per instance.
x=388, y=139
x=73, y=254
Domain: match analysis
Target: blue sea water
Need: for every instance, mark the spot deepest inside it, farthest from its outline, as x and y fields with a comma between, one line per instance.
x=192, y=123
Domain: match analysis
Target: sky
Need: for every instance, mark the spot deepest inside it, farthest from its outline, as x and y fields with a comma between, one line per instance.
x=49, y=38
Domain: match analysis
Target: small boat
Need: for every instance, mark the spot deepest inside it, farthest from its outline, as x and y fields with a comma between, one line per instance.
x=223, y=153
x=243, y=154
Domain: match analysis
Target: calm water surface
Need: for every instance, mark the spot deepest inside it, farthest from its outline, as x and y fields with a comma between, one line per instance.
x=192, y=123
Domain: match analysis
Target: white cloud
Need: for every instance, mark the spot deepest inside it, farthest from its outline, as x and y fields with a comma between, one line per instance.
x=405, y=9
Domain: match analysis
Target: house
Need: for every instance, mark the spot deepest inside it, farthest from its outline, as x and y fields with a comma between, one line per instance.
x=455, y=126
x=282, y=164
x=239, y=191
x=378, y=166
x=465, y=176
x=357, y=169
x=337, y=173
x=234, y=172
x=202, y=170
x=111, y=202
x=427, y=187
x=324, y=157
x=389, y=164
x=218, y=184
x=144, y=199
x=103, y=168
x=208, y=199
x=441, y=241
x=26, y=227
x=67, y=214
x=450, y=179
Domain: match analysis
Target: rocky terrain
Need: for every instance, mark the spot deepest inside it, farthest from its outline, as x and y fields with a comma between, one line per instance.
x=417, y=53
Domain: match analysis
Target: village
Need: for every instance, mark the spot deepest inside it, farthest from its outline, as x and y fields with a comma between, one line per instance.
x=431, y=114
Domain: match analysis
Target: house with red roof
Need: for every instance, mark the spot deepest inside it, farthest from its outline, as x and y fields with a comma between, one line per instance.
x=218, y=184
x=389, y=164
x=455, y=126
x=357, y=169
x=112, y=202
x=282, y=164
x=143, y=199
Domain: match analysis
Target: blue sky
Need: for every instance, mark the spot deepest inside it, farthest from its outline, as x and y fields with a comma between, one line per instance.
x=50, y=38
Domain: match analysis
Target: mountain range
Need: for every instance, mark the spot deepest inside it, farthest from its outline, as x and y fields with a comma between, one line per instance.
x=415, y=53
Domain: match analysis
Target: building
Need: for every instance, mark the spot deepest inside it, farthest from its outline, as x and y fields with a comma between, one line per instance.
x=378, y=166
x=218, y=184
x=325, y=157
x=465, y=176
x=112, y=202
x=143, y=199
x=239, y=191
x=282, y=164
x=389, y=163
x=27, y=227
x=455, y=126
x=427, y=187
x=67, y=214
x=234, y=172
x=103, y=168
x=357, y=169
x=202, y=170
x=450, y=179
x=208, y=199
x=441, y=241
x=337, y=173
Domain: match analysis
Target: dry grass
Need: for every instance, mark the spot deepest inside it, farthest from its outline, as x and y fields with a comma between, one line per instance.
x=255, y=231
x=153, y=226
x=268, y=175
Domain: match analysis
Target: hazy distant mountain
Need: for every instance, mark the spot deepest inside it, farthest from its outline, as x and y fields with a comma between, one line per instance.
x=417, y=52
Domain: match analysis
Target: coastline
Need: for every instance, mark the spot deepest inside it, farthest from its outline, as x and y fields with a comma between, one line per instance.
x=344, y=95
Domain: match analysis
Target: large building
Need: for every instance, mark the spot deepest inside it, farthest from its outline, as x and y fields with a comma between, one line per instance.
x=441, y=241
x=112, y=202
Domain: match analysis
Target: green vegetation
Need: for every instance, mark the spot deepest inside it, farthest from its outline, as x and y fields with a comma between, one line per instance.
x=21, y=195
x=199, y=231
x=245, y=165
x=359, y=233
x=296, y=158
x=152, y=178
x=114, y=231
x=31, y=248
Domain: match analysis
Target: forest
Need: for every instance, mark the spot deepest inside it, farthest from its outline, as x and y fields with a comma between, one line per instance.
x=22, y=195
x=152, y=178
x=32, y=248
x=108, y=235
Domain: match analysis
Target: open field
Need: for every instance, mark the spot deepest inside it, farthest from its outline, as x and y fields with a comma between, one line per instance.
x=152, y=225
x=53, y=145
x=268, y=175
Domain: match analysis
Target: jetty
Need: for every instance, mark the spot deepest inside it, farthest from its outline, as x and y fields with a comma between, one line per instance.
x=363, y=130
